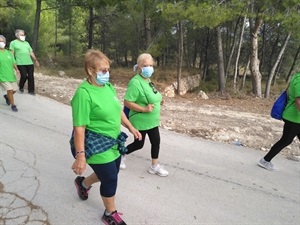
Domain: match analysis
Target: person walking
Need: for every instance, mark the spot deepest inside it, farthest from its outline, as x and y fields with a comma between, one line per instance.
x=24, y=55
x=144, y=101
x=8, y=80
x=97, y=138
x=291, y=127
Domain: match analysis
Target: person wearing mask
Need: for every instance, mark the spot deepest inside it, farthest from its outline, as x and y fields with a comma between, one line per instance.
x=144, y=102
x=97, y=138
x=8, y=80
x=24, y=55
x=291, y=127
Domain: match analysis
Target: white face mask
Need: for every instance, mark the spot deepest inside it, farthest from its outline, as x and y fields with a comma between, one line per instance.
x=22, y=38
x=2, y=45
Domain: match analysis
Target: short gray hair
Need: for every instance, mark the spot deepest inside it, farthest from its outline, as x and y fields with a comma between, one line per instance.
x=18, y=31
x=2, y=37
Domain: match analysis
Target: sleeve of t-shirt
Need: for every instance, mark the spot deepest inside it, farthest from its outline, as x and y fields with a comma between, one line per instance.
x=29, y=47
x=132, y=92
x=13, y=58
x=81, y=108
x=12, y=46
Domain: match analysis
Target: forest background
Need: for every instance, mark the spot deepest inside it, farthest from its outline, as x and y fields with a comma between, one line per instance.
x=241, y=47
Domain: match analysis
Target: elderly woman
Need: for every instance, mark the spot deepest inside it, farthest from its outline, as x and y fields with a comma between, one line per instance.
x=8, y=80
x=24, y=55
x=144, y=101
x=98, y=140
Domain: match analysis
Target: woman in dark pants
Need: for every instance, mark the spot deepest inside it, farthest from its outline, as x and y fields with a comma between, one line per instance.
x=97, y=117
x=291, y=128
x=144, y=101
x=24, y=55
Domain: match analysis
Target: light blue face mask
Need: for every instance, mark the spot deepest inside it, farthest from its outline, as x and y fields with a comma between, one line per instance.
x=147, y=71
x=102, y=78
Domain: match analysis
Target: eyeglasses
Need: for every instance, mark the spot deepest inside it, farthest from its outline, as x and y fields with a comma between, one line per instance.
x=153, y=87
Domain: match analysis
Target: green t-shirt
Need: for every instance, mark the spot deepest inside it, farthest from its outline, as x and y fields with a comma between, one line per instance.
x=7, y=62
x=291, y=112
x=99, y=109
x=22, y=52
x=140, y=92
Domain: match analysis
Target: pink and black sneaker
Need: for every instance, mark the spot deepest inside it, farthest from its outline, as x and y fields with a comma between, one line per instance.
x=83, y=193
x=113, y=219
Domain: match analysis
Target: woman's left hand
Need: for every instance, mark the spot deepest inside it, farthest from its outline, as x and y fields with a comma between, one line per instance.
x=37, y=63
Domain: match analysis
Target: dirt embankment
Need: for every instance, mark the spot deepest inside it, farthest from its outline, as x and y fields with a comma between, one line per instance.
x=235, y=121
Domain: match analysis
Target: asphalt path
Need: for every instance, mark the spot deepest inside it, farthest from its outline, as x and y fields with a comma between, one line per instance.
x=209, y=182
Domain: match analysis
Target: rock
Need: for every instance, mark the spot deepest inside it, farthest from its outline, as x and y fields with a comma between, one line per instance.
x=202, y=95
x=61, y=73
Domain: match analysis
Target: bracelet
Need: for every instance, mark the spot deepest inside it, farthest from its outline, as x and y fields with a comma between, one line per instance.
x=79, y=152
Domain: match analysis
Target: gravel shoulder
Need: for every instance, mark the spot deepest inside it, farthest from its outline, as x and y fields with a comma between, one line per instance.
x=243, y=122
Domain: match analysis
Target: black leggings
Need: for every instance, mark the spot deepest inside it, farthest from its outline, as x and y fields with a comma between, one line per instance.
x=26, y=72
x=108, y=175
x=154, y=138
x=290, y=131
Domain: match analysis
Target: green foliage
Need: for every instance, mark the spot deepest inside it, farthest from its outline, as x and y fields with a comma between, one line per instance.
x=119, y=30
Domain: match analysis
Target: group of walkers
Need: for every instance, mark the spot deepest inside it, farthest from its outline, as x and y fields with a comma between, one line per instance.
x=97, y=117
x=15, y=61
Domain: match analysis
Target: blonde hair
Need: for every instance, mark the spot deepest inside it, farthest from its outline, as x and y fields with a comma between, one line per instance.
x=142, y=58
x=92, y=57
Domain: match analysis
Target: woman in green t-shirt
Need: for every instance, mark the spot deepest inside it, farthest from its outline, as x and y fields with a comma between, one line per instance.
x=291, y=128
x=144, y=101
x=97, y=115
x=8, y=80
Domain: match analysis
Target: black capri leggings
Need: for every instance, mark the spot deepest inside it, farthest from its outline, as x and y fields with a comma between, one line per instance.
x=108, y=175
x=290, y=131
x=154, y=138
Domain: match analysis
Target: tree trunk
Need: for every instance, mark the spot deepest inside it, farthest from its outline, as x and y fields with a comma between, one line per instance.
x=147, y=24
x=267, y=92
x=90, y=27
x=236, y=68
x=245, y=75
x=180, y=56
x=206, y=61
x=36, y=25
x=220, y=61
x=232, y=48
x=70, y=33
x=56, y=27
x=254, y=61
x=293, y=65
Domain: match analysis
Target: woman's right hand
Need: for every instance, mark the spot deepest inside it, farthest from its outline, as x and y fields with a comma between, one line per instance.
x=79, y=165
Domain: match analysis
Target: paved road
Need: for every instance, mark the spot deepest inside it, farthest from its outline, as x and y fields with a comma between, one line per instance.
x=209, y=183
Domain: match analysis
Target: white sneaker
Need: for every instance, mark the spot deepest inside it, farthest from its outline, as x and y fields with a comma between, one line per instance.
x=159, y=170
x=267, y=165
x=123, y=165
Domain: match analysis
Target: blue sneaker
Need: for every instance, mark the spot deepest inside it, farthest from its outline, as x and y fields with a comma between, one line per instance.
x=14, y=108
x=6, y=99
